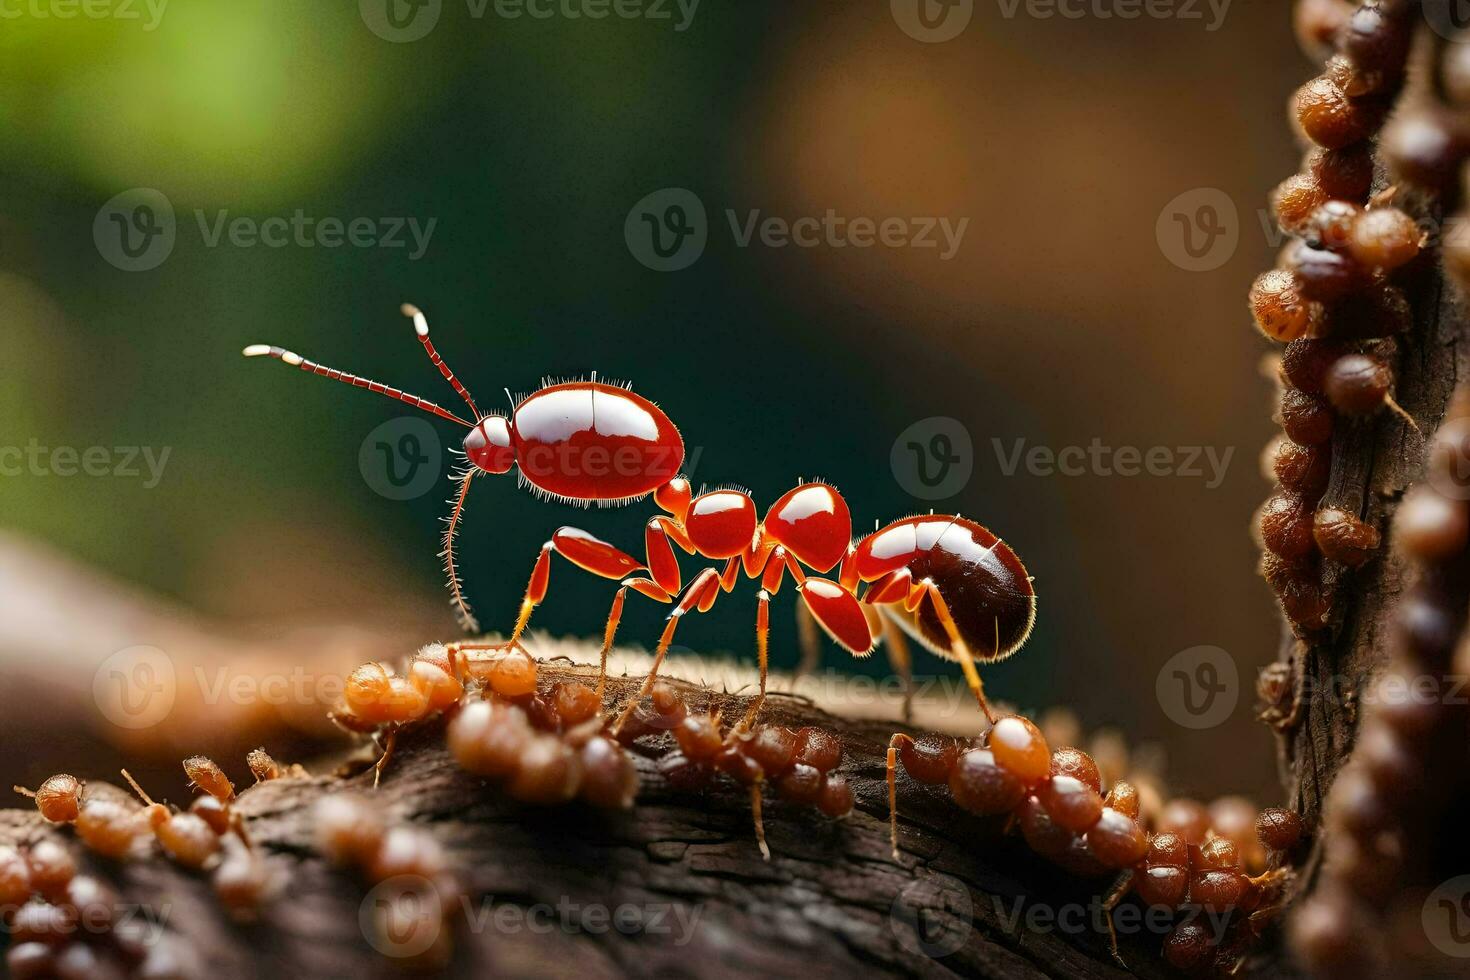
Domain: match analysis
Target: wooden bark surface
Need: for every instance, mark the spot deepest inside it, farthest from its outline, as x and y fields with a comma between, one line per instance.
x=830, y=902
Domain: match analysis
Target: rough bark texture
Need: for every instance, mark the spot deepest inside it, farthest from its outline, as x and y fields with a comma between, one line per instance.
x=830, y=902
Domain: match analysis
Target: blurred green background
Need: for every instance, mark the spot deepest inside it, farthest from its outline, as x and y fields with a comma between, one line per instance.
x=527, y=141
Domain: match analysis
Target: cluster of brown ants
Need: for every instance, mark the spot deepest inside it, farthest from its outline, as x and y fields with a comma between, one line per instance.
x=1388, y=814
x=1388, y=805
x=1195, y=860
x=553, y=745
x=62, y=923
x=1333, y=299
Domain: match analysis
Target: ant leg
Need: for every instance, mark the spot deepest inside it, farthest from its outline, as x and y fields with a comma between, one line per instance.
x=581, y=549
x=706, y=581
x=1298, y=696
x=658, y=658
x=762, y=644
x=898, y=739
x=731, y=574
x=901, y=661
x=760, y=825
x=535, y=593
x=1120, y=888
x=663, y=567
x=809, y=639
x=958, y=646
x=459, y=663
x=389, y=744
x=614, y=617
x=462, y=610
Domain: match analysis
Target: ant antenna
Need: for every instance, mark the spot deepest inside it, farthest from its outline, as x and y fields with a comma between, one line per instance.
x=421, y=327
x=511, y=399
x=1398, y=410
x=296, y=360
x=137, y=789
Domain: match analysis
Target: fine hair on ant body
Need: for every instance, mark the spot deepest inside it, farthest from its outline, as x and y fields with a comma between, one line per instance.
x=943, y=579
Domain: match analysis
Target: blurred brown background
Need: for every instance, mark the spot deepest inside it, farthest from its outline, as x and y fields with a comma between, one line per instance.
x=1064, y=316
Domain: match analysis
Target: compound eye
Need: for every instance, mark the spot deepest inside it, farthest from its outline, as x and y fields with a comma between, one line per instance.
x=489, y=445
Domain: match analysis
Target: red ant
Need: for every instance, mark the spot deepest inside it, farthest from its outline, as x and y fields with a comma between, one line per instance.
x=946, y=581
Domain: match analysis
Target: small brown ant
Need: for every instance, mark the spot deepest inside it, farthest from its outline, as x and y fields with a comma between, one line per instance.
x=186, y=837
x=1281, y=689
x=58, y=798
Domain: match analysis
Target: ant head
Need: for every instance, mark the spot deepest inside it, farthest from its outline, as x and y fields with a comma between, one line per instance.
x=490, y=446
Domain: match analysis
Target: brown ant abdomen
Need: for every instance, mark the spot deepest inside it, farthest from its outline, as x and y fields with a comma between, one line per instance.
x=983, y=581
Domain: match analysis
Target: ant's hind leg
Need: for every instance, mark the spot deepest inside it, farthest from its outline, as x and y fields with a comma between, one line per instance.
x=958, y=646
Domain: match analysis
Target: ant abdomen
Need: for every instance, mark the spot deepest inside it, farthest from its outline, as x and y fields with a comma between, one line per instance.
x=929, y=758
x=52, y=865
x=1164, y=877
x=110, y=828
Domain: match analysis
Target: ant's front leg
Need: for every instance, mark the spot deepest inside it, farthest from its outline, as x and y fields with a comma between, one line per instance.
x=581, y=549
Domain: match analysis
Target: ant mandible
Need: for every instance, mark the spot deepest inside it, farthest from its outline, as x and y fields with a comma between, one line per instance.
x=944, y=580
